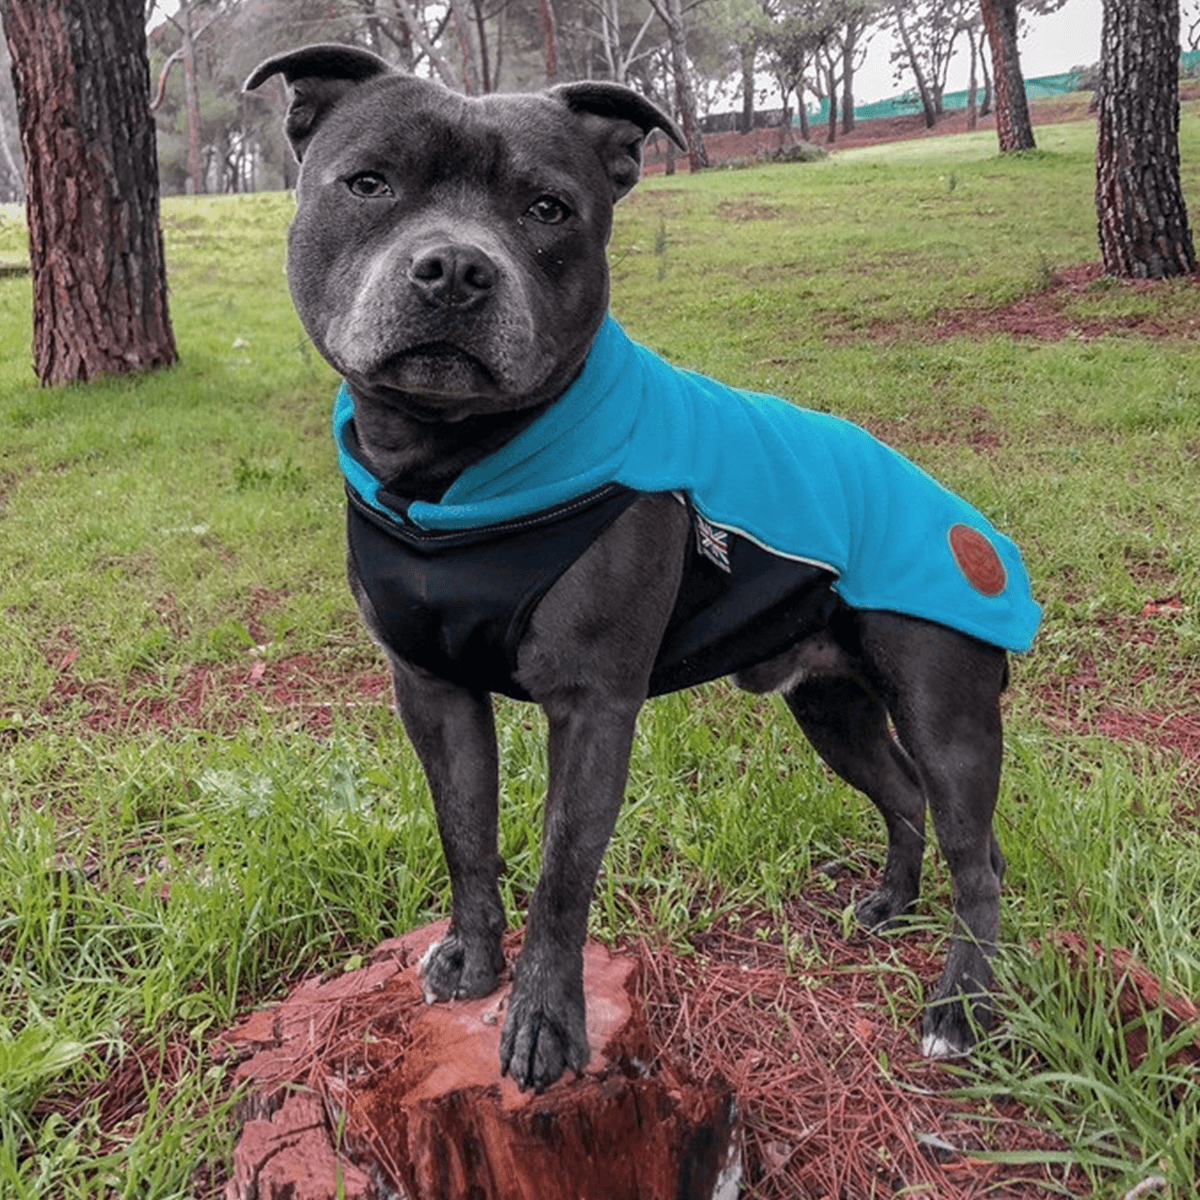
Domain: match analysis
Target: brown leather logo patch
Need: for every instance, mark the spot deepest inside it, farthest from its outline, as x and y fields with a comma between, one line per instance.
x=978, y=560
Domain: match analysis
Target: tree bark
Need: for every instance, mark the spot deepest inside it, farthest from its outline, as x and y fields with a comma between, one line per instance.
x=746, y=119
x=972, y=85
x=14, y=171
x=487, y=80
x=986, y=107
x=918, y=74
x=851, y=35
x=1141, y=213
x=831, y=81
x=550, y=31
x=470, y=81
x=1014, y=130
x=671, y=12
x=191, y=94
x=426, y=44
x=99, y=279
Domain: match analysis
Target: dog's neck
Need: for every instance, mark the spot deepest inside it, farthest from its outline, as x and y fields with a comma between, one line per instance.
x=418, y=459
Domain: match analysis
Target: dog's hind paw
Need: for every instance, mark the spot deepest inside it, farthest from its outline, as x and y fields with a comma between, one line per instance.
x=933, y=1045
x=883, y=909
x=949, y=1031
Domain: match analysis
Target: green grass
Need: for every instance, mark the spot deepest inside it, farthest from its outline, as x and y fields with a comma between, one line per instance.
x=156, y=884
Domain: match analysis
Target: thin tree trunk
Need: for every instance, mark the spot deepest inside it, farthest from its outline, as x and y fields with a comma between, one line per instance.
x=485, y=67
x=417, y=32
x=550, y=31
x=986, y=107
x=501, y=38
x=849, y=46
x=973, y=85
x=1141, y=213
x=746, y=121
x=918, y=74
x=801, y=113
x=831, y=81
x=10, y=163
x=1014, y=129
x=609, y=34
x=191, y=97
x=672, y=16
x=469, y=76
x=99, y=282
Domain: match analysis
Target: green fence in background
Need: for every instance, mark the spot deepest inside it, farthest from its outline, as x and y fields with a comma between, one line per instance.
x=1042, y=88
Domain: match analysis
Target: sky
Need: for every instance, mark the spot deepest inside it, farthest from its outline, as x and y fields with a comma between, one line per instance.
x=1050, y=46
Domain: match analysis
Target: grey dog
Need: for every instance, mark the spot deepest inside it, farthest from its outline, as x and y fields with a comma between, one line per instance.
x=448, y=258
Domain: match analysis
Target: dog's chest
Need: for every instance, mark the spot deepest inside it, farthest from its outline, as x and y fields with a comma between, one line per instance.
x=459, y=604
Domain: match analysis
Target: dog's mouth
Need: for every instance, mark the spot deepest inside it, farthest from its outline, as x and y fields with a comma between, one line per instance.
x=428, y=379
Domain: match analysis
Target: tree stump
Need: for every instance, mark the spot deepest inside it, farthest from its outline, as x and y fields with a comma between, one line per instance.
x=357, y=1083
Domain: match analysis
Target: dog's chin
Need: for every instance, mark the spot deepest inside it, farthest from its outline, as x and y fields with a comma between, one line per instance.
x=438, y=383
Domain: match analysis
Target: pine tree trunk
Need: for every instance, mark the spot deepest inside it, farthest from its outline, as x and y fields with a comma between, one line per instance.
x=831, y=81
x=1014, y=129
x=972, y=85
x=685, y=94
x=461, y=24
x=550, y=33
x=849, y=46
x=1141, y=213
x=99, y=280
x=986, y=107
x=191, y=92
x=915, y=65
x=746, y=120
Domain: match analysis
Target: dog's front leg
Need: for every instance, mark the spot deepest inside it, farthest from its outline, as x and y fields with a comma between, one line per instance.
x=545, y=1030
x=586, y=660
x=453, y=733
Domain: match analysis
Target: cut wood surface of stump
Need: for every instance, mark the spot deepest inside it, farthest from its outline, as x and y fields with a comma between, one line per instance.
x=355, y=1086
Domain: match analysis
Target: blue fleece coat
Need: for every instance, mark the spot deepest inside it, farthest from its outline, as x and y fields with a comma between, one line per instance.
x=803, y=485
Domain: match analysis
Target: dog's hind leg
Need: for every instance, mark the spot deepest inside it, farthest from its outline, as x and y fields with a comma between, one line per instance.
x=848, y=726
x=943, y=690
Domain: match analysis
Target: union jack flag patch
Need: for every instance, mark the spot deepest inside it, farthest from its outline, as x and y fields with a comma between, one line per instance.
x=713, y=543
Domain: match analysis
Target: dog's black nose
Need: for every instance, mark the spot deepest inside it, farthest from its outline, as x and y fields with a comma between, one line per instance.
x=453, y=276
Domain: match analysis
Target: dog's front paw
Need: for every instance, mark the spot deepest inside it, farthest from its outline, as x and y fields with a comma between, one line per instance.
x=545, y=1032
x=455, y=969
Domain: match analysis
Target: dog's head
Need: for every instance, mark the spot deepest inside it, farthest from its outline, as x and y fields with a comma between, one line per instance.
x=448, y=252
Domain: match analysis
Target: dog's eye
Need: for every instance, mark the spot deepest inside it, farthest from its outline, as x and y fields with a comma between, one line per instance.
x=369, y=185
x=549, y=210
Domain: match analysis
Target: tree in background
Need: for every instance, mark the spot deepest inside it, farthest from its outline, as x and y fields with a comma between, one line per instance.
x=626, y=39
x=929, y=33
x=852, y=31
x=550, y=25
x=1142, y=216
x=908, y=53
x=843, y=25
x=670, y=12
x=99, y=282
x=729, y=44
x=793, y=39
x=12, y=177
x=1014, y=130
x=184, y=20
x=1189, y=25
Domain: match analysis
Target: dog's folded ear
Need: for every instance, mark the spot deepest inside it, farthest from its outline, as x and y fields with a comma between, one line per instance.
x=617, y=120
x=319, y=76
